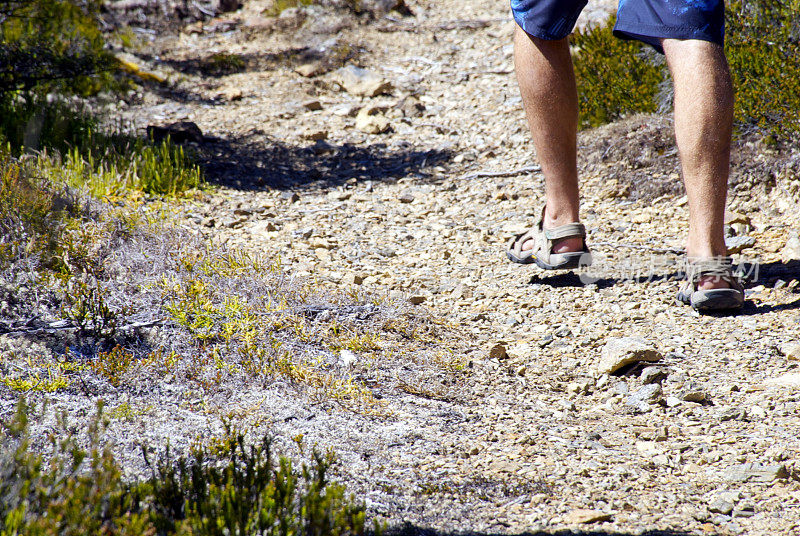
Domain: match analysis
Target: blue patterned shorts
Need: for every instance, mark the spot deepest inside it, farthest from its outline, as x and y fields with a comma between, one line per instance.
x=646, y=20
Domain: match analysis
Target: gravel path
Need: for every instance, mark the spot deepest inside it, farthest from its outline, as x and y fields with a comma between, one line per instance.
x=537, y=435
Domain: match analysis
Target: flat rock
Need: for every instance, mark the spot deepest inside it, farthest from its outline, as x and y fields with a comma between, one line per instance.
x=720, y=506
x=360, y=82
x=737, y=244
x=789, y=380
x=755, y=472
x=581, y=516
x=619, y=352
x=315, y=134
x=791, y=351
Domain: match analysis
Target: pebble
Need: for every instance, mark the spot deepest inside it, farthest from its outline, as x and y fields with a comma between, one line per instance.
x=620, y=352
x=309, y=70
x=370, y=121
x=406, y=197
x=347, y=358
x=720, y=506
x=233, y=94
x=645, y=394
x=315, y=134
x=498, y=351
x=694, y=395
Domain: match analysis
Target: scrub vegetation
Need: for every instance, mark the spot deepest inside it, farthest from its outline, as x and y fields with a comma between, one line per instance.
x=617, y=78
x=232, y=490
x=113, y=295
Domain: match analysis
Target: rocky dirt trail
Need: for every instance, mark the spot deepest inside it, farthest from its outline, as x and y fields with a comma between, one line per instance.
x=407, y=183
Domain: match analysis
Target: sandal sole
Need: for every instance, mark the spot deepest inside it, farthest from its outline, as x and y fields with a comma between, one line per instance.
x=581, y=260
x=717, y=300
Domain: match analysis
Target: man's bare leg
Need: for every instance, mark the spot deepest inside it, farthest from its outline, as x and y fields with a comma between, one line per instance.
x=547, y=84
x=703, y=124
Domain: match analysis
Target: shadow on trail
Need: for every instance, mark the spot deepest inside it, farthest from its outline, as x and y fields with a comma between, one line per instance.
x=219, y=65
x=268, y=163
x=755, y=274
x=573, y=280
x=412, y=530
x=769, y=273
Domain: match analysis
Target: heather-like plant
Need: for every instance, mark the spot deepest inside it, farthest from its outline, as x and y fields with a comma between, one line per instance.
x=244, y=490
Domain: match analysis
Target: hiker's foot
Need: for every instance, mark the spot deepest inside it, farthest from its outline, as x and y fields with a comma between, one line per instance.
x=711, y=282
x=721, y=289
x=566, y=245
x=552, y=245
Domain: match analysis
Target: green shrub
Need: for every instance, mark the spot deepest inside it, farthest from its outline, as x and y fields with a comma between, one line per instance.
x=32, y=123
x=245, y=491
x=71, y=492
x=34, y=219
x=615, y=77
x=52, y=45
x=220, y=64
x=763, y=46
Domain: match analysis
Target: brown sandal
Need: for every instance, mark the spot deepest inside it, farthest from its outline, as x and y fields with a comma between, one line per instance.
x=542, y=251
x=712, y=300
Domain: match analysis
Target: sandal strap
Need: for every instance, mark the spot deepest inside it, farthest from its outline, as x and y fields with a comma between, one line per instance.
x=720, y=267
x=565, y=231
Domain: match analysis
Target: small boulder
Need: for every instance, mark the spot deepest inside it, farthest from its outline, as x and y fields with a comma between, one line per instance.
x=370, y=120
x=361, y=82
x=622, y=351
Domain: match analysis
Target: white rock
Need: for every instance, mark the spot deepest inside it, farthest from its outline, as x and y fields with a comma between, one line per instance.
x=791, y=351
x=347, y=358
x=790, y=380
x=361, y=82
x=623, y=351
x=791, y=251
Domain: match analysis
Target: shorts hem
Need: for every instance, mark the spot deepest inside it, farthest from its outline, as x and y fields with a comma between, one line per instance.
x=652, y=35
x=538, y=31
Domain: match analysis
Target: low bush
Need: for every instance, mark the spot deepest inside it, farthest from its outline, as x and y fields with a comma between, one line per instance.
x=618, y=78
x=241, y=491
x=615, y=77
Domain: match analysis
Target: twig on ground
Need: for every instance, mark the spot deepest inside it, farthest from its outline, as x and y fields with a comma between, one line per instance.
x=399, y=25
x=65, y=326
x=512, y=173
